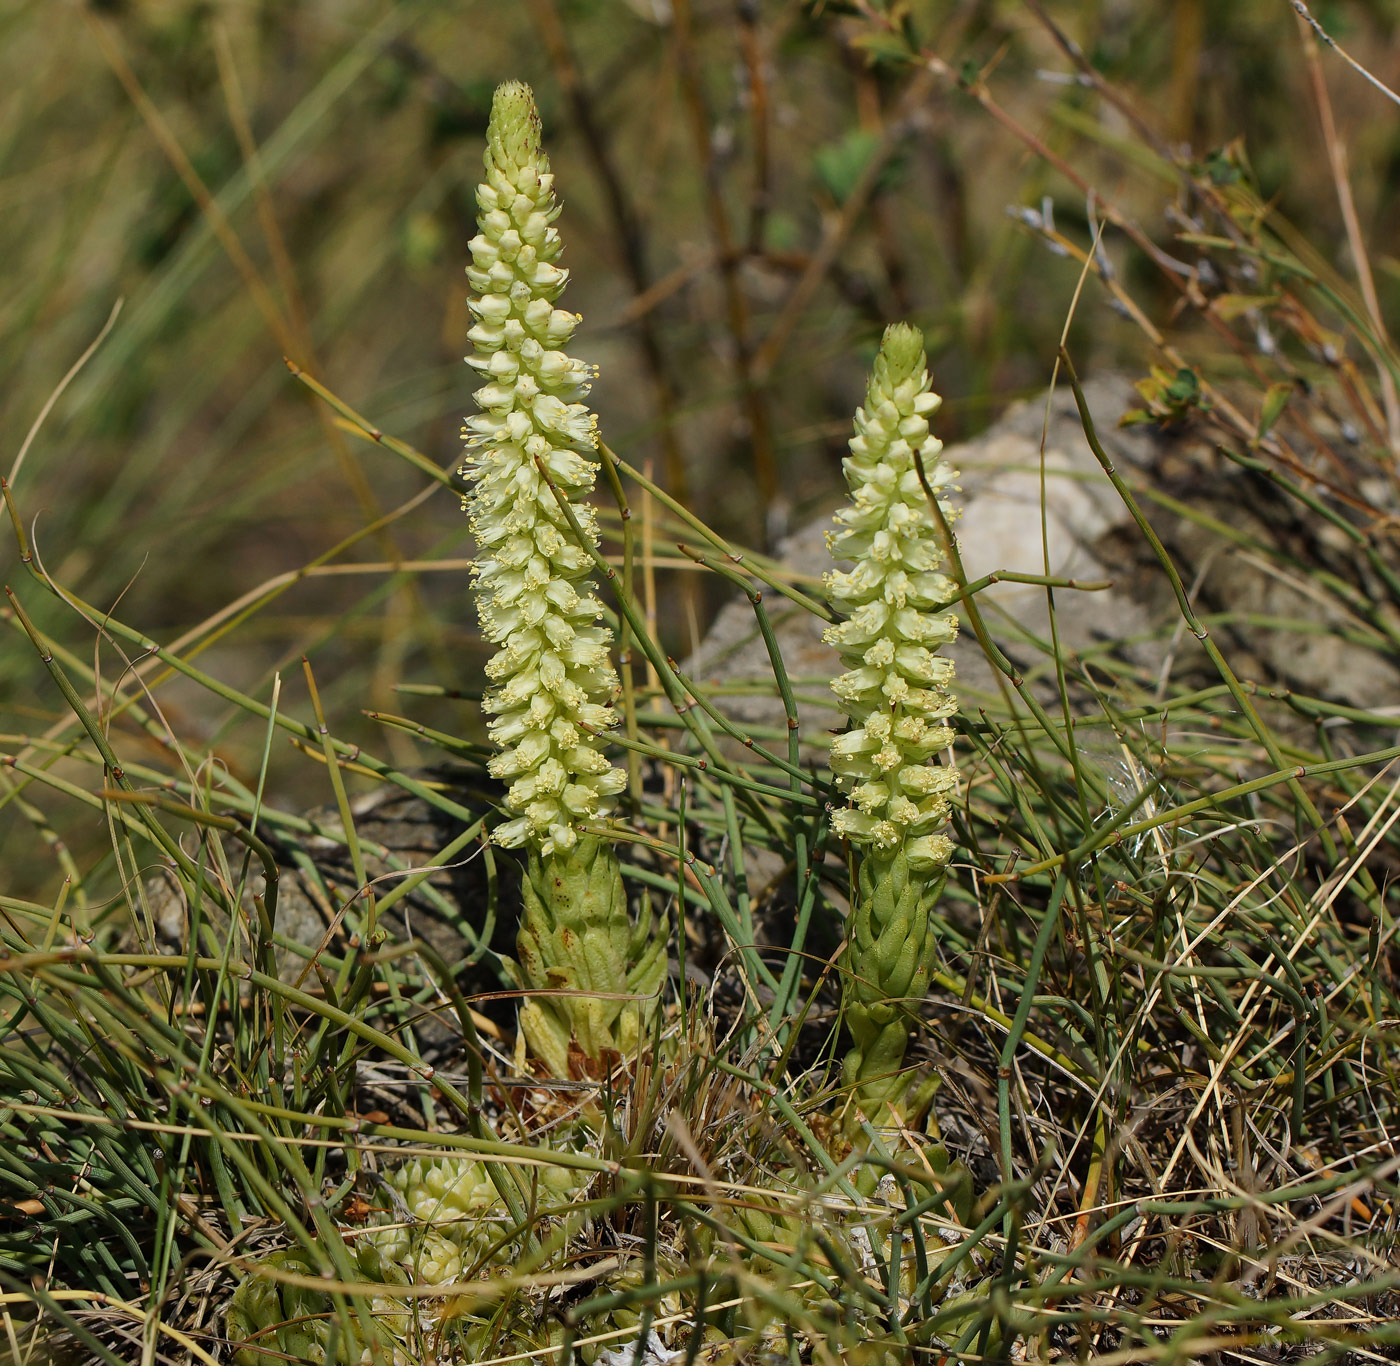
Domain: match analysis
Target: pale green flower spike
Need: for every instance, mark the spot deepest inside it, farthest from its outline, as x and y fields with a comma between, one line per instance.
x=552, y=675
x=269, y=1320
x=554, y=681
x=895, y=689
x=896, y=693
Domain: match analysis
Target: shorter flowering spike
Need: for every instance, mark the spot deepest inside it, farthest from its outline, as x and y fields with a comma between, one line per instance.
x=894, y=599
x=895, y=690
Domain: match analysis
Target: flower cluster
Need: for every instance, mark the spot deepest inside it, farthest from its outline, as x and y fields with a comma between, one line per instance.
x=444, y=1190
x=894, y=600
x=553, y=681
x=455, y=1215
x=272, y=1319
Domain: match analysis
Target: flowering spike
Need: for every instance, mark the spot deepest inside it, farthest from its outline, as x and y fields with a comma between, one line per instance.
x=553, y=681
x=895, y=689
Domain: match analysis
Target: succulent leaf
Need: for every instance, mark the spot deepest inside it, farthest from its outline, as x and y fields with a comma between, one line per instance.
x=892, y=950
x=576, y=938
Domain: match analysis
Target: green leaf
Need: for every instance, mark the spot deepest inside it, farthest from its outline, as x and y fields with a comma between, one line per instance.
x=1228, y=307
x=840, y=165
x=1221, y=168
x=885, y=47
x=1185, y=388
x=922, y=21
x=1275, y=401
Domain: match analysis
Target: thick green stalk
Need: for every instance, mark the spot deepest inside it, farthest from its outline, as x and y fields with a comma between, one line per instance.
x=602, y=973
x=891, y=950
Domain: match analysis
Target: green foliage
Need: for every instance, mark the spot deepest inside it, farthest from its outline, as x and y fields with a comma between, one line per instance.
x=1170, y=397
x=257, y=1082
x=840, y=165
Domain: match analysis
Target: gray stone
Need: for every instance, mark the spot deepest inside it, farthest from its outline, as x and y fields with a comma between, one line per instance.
x=1227, y=533
x=1086, y=533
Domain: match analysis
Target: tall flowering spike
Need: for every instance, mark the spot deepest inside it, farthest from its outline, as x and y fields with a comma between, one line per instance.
x=895, y=688
x=597, y=975
x=551, y=674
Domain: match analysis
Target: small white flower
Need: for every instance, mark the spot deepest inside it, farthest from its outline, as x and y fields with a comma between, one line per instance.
x=553, y=679
x=895, y=603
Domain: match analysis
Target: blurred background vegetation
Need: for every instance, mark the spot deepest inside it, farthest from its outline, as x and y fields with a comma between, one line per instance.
x=748, y=196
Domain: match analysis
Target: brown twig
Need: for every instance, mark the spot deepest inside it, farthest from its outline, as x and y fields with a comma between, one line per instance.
x=1324, y=37
x=728, y=258
x=840, y=229
x=760, y=190
x=628, y=232
x=1341, y=181
x=883, y=211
